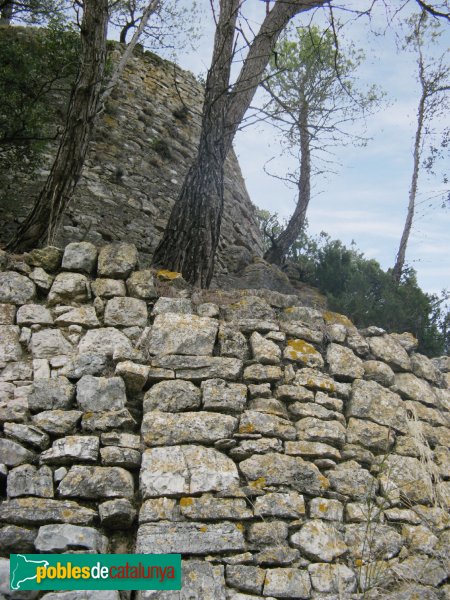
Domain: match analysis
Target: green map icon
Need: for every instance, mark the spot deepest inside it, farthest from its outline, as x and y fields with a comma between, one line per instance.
x=23, y=569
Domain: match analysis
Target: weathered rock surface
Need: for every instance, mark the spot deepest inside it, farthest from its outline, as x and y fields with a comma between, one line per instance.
x=16, y=288
x=263, y=438
x=186, y=470
x=182, y=334
x=97, y=482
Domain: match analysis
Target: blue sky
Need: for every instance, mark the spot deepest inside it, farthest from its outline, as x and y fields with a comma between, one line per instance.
x=366, y=199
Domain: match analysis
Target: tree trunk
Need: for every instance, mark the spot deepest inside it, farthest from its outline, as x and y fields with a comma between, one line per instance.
x=6, y=13
x=191, y=237
x=192, y=233
x=400, y=260
x=284, y=241
x=54, y=198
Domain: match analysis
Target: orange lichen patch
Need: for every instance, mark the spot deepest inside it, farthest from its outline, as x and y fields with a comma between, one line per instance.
x=332, y=318
x=258, y=483
x=168, y=275
x=326, y=386
x=301, y=347
x=186, y=501
x=239, y=526
x=359, y=562
x=203, y=529
x=249, y=428
x=324, y=481
x=323, y=507
x=289, y=310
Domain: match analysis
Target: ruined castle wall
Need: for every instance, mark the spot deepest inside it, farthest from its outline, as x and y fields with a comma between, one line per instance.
x=281, y=451
x=143, y=145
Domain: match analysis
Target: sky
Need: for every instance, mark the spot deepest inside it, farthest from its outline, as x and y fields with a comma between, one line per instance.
x=365, y=200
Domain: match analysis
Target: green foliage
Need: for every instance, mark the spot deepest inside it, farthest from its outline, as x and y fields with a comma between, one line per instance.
x=310, y=79
x=359, y=288
x=35, y=12
x=36, y=66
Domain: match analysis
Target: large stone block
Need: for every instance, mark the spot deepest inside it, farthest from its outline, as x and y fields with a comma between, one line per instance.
x=27, y=434
x=319, y=541
x=411, y=387
x=61, y=538
x=279, y=469
x=371, y=401
x=69, y=287
x=85, y=316
x=253, y=421
x=15, y=288
x=97, y=482
x=350, y=479
x=101, y=393
x=172, y=396
x=287, y=583
x=372, y=541
x=26, y=480
x=80, y=256
x=264, y=351
x=10, y=349
x=72, y=449
x=405, y=476
x=370, y=435
x=105, y=341
x=334, y=579
x=302, y=352
x=186, y=470
x=208, y=507
x=13, y=454
x=51, y=394
x=140, y=284
x=389, y=350
x=189, y=538
x=126, y=312
x=196, y=368
x=37, y=511
x=159, y=428
x=31, y=314
x=48, y=343
x=224, y=397
x=57, y=422
x=312, y=429
x=182, y=334
x=343, y=363
x=117, y=260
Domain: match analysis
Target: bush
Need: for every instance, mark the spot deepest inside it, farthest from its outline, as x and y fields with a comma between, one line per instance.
x=359, y=288
x=37, y=68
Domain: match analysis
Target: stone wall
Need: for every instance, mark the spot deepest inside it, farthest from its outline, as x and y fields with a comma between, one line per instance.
x=144, y=143
x=281, y=451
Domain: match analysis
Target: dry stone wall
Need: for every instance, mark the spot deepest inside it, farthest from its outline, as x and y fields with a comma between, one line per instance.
x=281, y=451
x=143, y=145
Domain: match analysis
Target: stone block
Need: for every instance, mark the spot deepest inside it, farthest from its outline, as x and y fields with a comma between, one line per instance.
x=182, y=334
x=186, y=470
x=80, y=256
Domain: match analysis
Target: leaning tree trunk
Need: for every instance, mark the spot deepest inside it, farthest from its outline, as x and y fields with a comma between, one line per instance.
x=400, y=260
x=281, y=245
x=41, y=223
x=6, y=12
x=192, y=233
x=191, y=237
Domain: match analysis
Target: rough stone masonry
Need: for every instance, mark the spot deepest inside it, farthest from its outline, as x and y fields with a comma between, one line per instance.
x=283, y=452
